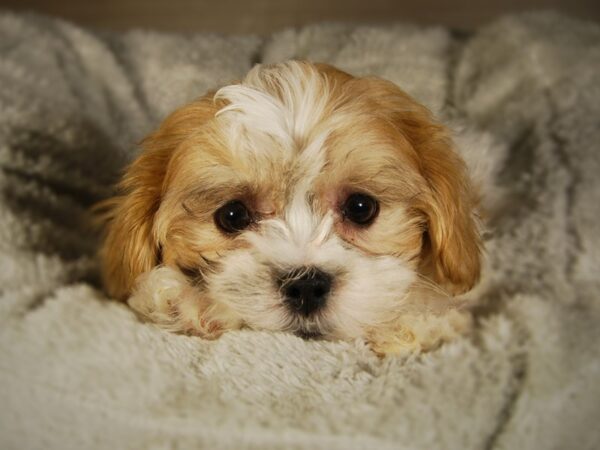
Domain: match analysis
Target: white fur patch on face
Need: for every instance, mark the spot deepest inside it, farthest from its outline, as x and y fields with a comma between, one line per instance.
x=283, y=103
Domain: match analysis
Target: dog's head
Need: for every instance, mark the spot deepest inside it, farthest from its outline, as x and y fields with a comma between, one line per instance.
x=301, y=199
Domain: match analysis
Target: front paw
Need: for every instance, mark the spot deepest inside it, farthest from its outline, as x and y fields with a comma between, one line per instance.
x=413, y=333
x=165, y=297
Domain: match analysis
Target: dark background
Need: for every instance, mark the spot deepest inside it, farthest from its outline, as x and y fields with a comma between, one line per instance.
x=264, y=16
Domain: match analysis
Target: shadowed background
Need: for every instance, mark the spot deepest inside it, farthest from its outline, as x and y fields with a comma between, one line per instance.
x=264, y=16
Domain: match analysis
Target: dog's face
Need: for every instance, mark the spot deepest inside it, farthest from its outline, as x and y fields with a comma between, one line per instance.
x=302, y=199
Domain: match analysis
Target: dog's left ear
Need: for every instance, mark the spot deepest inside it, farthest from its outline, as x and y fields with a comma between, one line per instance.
x=451, y=253
x=452, y=241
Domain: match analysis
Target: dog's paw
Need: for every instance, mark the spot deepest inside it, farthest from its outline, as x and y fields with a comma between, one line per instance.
x=165, y=296
x=419, y=332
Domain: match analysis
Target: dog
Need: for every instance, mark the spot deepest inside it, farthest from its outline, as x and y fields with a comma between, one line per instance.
x=300, y=199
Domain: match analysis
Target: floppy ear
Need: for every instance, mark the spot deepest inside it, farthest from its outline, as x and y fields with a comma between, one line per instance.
x=130, y=247
x=451, y=253
x=452, y=244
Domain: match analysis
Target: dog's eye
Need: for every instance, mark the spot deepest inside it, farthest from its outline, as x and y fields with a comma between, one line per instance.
x=233, y=217
x=360, y=209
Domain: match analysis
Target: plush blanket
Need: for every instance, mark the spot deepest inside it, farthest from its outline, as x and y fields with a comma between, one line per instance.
x=80, y=371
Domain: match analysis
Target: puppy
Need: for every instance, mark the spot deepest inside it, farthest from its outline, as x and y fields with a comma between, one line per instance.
x=300, y=199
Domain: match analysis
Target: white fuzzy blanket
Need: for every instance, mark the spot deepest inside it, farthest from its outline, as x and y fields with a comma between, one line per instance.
x=78, y=371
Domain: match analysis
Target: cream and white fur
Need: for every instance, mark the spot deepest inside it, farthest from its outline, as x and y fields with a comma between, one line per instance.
x=282, y=118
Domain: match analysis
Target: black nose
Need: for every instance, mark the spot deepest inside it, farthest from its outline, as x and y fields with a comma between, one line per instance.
x=306, y=293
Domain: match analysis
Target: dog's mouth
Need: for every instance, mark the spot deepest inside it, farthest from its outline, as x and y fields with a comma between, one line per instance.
x=308, y=335
x=313, y=328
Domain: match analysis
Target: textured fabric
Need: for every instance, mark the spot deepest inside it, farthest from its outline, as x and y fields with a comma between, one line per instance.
x=78, y=371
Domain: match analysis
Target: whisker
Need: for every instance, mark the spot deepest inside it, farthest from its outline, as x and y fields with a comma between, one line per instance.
x=425, y=282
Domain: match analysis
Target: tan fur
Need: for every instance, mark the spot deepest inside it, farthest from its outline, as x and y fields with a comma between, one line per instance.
x=379, y=141
x=130, y=247
x=451, y=255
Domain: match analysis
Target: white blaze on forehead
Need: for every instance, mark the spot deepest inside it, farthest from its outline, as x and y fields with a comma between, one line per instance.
x=284, y=103
x=251, y=113
x=299, y=215
x=295, y=238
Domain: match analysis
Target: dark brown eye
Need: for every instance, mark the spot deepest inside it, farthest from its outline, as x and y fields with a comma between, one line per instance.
x=233, y=217
x=360, y=209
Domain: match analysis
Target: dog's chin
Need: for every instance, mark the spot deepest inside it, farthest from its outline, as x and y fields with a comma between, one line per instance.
x=312, y=328
x=308, y=335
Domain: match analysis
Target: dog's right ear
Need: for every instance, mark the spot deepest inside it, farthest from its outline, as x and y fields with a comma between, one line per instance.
x=130, y=247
